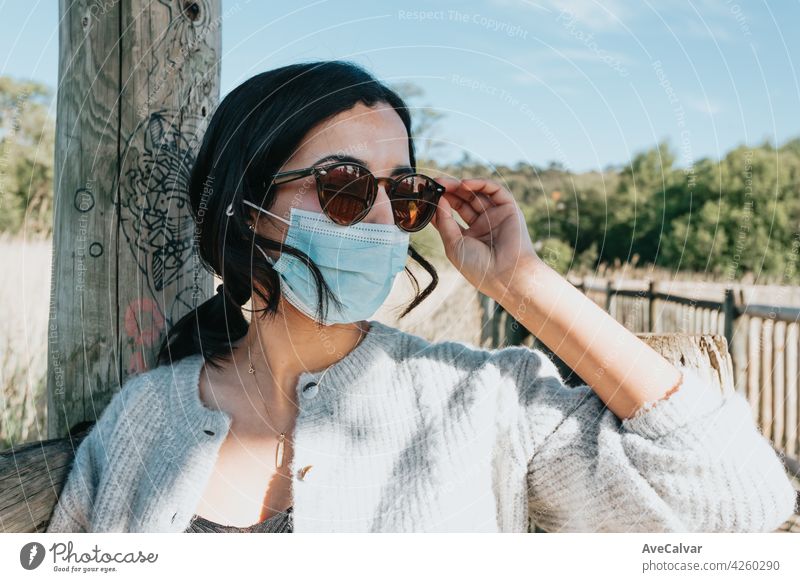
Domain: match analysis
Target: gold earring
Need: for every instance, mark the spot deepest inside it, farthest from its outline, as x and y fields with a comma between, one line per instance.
x=251, y=227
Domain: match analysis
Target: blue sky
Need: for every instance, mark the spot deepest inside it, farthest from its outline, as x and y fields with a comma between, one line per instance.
x=583, y=82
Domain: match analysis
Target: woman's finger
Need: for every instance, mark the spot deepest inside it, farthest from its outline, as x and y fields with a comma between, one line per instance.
x=464, y=210
x=490, y=189
x=460, y=200
x=476, y=200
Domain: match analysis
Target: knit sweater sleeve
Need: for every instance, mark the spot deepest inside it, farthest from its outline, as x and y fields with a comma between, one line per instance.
x=693, y=462
x=72, y=513
x=74, y=509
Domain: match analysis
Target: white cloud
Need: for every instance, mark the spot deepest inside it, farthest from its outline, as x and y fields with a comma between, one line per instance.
x=708, y=30
x=593, y=14
x=704, y=105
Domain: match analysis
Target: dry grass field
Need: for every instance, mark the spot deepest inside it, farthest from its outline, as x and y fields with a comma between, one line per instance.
x=25, y=297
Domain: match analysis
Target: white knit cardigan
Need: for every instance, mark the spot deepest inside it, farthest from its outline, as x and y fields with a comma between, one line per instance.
x=405, y=435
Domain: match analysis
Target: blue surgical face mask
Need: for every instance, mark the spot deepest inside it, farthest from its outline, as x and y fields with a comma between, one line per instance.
x=359, y=263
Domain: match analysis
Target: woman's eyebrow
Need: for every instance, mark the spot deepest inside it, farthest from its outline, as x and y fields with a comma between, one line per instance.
x=397, y=171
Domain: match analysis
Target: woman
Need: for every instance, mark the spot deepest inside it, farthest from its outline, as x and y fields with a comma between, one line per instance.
x=316, y=418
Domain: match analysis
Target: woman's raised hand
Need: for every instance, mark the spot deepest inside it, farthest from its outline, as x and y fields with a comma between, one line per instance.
x=496, y=246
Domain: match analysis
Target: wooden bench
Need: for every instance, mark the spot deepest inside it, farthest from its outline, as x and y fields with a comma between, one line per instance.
x=31, y=478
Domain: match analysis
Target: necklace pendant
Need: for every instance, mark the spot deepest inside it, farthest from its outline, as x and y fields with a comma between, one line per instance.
x=252, y=370
x=279, y=450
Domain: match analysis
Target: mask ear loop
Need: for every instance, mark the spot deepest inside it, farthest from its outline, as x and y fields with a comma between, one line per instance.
x=229, y=212
x=267, y=257
x=269, y=260
x=282, y=219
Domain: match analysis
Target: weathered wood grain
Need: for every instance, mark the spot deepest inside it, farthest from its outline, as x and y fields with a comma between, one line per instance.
x=138, y=82
x=31, y=477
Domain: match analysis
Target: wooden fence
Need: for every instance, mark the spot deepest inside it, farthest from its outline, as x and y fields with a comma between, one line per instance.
x=763, y=341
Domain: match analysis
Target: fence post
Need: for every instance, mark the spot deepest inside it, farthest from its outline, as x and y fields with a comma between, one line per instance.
x=138, y=82
x=729, y=310
x=651, y=304
x=491, y=313
x=609, y=289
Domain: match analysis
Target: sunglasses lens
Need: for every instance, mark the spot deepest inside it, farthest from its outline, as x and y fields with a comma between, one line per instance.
x=346, y=190
x=414, y=202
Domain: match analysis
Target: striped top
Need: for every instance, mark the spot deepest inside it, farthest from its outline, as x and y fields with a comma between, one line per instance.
x=278, y=523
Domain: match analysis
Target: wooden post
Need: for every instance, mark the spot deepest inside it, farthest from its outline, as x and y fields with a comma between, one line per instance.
x=729, y=310
x=515, y=333
x=792, y=393
x=138, y=81
x=767, y=412
x=779, y=385
x=651, y=305
x=487, y=312
x=754, y=366
x=705, y=353
x=739, y=352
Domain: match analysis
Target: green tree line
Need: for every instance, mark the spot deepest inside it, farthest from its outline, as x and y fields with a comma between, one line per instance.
x=727, y=217
x=724, y=217
x=27, y=139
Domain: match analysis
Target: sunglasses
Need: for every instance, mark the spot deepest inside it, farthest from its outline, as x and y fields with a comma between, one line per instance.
x=347, y=191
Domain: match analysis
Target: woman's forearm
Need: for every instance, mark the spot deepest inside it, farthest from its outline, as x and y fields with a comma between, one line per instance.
x=624, y=371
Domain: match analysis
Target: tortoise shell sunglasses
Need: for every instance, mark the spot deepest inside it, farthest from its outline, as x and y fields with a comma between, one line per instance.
x=347, y=192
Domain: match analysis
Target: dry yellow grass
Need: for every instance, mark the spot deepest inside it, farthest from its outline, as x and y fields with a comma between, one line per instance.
x=25, y=297
x=449, y=313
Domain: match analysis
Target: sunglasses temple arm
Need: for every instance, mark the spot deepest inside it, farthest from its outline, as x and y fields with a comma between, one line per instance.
x=292, y=175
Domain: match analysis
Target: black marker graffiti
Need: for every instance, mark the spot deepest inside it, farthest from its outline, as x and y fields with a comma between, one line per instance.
x=154, y=203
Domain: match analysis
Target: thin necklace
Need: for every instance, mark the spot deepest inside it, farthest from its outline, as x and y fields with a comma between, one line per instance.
x=282, y=435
